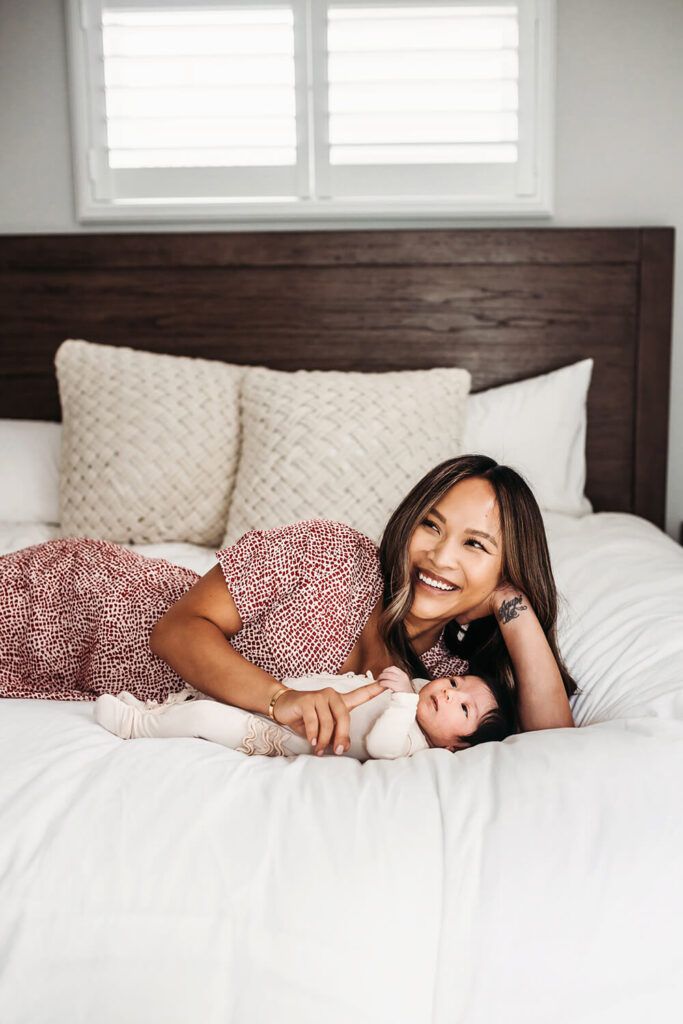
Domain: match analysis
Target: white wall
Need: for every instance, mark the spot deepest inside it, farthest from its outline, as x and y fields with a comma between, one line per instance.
x=619, y=126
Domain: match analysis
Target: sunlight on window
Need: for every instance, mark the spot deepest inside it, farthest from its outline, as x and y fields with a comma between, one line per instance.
x=200, y=88
x=423, y=85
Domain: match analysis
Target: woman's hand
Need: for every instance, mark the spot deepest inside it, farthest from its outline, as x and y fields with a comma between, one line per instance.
x=541, y=697
x=505, y=602
x=321, y=714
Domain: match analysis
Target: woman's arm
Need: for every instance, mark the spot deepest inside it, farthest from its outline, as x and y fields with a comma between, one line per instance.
x=193, y=638
x=542, y=701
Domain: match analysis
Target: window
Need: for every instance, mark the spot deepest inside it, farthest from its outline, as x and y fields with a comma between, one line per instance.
x=310, y=109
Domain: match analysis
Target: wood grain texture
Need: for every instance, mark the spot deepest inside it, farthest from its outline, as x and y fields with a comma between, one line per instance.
x=324, y=248
x=506, y=304
x=653, y=372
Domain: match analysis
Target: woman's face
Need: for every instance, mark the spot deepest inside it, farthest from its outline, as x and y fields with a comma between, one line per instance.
x=456, y=556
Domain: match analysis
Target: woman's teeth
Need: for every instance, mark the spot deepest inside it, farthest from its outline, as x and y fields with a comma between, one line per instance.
x=434, y=583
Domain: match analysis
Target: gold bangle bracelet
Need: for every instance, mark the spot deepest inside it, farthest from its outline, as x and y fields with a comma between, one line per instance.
x=273, y=700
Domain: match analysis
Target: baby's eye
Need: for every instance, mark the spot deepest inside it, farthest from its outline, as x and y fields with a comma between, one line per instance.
x=454, y=684
x=465, y=709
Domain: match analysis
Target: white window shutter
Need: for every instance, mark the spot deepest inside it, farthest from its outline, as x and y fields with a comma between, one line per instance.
x=423, y=100
x=312, y=108
x=194, y=101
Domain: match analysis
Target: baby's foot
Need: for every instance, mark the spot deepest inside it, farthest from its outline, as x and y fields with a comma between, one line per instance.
x=116, y=715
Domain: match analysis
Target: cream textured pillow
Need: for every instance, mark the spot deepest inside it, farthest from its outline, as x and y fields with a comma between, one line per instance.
x=149, y=444
x=338, y=445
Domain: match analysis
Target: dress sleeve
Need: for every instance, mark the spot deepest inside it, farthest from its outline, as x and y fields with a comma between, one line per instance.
x=265, y=567
x=336, y=566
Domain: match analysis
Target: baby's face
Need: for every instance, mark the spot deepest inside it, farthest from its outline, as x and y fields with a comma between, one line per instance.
x=450, y=708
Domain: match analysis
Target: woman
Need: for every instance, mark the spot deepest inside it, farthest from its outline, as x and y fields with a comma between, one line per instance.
x=466, y=546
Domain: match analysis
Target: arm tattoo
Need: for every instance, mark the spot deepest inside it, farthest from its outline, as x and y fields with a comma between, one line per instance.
x=509, y=610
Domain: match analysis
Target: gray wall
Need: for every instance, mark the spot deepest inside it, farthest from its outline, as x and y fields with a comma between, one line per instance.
x=619, y=128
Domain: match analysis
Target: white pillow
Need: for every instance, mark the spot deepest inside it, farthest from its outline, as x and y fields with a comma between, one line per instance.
x=149, y=445
x=538, y=427
x=340, y=445
x=29, y=471
x=621, y=617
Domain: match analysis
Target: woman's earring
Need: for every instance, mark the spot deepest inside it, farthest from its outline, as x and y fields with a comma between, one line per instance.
x=462, y=630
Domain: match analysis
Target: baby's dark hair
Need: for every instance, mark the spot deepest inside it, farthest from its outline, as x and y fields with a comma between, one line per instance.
x=499, y=722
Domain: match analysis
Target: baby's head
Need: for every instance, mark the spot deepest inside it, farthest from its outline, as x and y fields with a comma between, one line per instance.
x=462, y=711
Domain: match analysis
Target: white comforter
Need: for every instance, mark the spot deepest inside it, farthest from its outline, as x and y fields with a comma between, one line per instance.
x=537, y=880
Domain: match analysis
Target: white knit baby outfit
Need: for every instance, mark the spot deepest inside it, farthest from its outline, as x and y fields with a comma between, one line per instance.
x=383, y=727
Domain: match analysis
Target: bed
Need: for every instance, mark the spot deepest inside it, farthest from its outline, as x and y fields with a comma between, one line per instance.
x=533, y=880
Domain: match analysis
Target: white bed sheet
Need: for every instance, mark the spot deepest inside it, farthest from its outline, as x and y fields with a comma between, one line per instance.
x=535, y=880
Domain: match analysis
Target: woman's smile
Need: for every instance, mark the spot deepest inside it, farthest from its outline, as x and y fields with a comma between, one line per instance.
x=435, y=583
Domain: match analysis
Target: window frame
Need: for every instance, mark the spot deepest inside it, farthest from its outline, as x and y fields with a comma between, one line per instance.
x=534, y=170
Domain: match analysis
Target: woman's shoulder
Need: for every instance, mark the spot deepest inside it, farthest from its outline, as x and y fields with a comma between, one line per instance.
x=317, y=536
x=332, y=545
x=332, y=532
x=330, y=557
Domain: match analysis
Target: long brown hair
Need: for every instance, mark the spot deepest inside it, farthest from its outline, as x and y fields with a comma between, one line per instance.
x=526, y=565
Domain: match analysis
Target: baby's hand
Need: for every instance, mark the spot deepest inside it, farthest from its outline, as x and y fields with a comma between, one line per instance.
x=395, y=679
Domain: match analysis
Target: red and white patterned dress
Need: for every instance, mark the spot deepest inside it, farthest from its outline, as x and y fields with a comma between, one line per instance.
x=76, y=614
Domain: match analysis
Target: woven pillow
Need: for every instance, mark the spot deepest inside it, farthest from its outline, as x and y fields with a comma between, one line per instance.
x=343, y=446
x=149, y=444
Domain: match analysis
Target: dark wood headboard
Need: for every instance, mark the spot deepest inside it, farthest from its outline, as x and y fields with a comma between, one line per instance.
x=506, y=304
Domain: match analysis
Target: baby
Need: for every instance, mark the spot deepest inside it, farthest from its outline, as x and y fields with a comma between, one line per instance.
x=410, y=715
